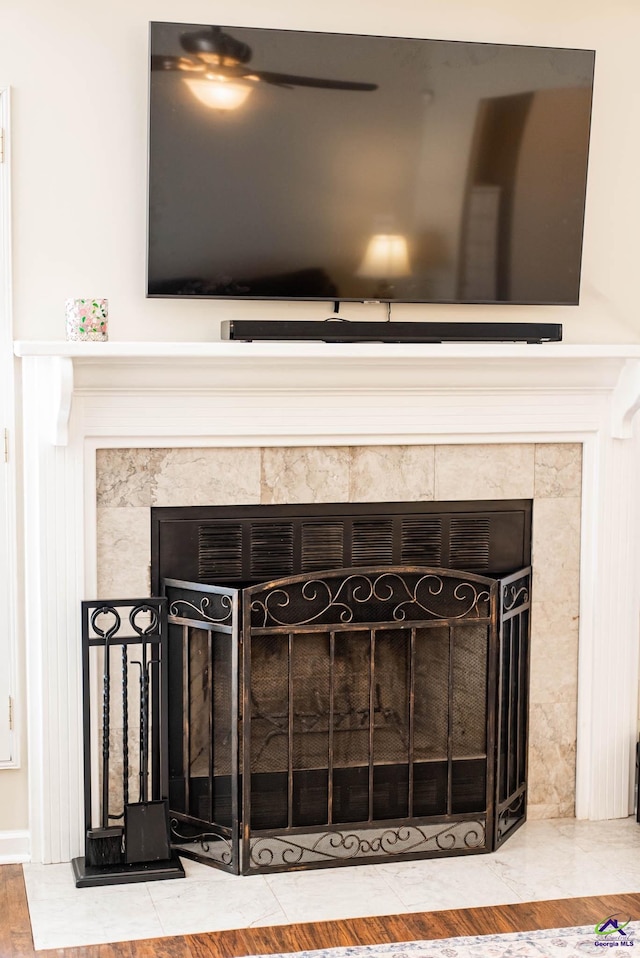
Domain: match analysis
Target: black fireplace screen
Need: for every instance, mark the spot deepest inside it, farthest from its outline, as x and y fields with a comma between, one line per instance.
x=346, y=716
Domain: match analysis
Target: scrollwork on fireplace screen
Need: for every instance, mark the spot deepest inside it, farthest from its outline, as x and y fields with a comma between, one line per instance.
x=361, y=724
x=206, y=604
x=397, y=595
x=198, y=843
x=380, y=843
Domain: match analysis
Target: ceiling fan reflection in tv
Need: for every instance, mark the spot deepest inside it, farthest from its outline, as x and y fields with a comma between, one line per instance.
x=458, y=178
x=216, y=65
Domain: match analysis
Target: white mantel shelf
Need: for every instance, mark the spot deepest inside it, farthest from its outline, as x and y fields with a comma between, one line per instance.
x=89, y=352
x=345, y=376
x=81, y=397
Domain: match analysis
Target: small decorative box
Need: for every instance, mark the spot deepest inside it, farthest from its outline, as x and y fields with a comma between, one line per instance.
x=87, y=319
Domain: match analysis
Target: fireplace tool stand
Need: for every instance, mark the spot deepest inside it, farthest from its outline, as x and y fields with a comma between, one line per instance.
x=131, y=842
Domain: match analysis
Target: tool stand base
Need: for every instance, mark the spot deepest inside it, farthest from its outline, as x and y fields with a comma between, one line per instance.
x=89, y=876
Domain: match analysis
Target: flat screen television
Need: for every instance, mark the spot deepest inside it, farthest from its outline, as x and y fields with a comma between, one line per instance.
x=293, y=165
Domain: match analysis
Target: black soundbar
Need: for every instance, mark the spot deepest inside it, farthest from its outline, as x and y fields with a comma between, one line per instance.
x=344, y=331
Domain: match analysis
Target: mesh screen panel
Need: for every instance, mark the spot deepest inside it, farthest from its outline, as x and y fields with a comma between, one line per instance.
x=432, y=695
x=469, y=718
x=269, y=703
x=199, y=704
x=391, y=697
x=351, y=699
x=310, y=673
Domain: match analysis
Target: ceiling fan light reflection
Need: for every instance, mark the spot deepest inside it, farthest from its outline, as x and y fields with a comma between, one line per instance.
x=219, y=93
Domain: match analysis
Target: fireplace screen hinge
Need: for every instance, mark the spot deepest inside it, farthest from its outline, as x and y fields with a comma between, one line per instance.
x=6, y=445
x=11, y=713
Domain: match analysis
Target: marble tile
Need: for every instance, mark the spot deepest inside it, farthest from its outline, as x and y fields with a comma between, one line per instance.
x=50, y=881
x=554, y=870
x=552, y=753
x=558, y=470
x=63, y=916
x=554, y=654
x=305, y=474
x=123, y=551
x=485, y=471
x=552, y=724
x=177, y=477
x=623, y=861
x=595, y=837
x=207, y=477
x=126, y=477
x=542, y=812
x=557, y=617
x=555, y=550
x=193, y=906
x=197, y=871
x=432, y=885
x=334, y=893
x=555, y=790
x=392, y=473
x=543, y=859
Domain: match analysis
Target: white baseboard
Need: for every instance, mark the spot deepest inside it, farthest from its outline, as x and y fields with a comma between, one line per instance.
x=15, y=847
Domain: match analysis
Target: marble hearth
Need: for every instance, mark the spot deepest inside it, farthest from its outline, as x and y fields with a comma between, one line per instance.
x=127, y=426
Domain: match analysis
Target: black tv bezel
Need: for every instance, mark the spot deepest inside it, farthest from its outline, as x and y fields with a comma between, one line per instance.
x=211, y=297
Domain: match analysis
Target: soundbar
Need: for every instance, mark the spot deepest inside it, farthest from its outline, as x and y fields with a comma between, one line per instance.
x=345, y=331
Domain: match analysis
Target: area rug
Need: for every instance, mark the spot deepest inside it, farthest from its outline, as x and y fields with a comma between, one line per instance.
x=600, y=939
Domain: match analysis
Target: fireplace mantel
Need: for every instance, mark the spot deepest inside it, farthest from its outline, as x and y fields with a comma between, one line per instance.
x=79, y=397
x=352, y=372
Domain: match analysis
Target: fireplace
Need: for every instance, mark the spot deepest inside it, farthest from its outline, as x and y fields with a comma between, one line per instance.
x=340, y=715
x=223, y=423
x=132, y=481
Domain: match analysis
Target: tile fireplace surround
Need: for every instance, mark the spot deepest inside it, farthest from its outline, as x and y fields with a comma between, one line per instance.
x=128, y=425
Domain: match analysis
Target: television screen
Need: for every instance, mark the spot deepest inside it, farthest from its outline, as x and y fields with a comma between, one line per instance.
x=295, y=165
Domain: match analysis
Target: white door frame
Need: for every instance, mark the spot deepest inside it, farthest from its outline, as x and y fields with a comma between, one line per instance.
x=9, y=704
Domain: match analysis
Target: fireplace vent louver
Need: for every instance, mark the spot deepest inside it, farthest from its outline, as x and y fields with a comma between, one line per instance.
x=422, y=541
x=469, y=543
x=220, y=551
x=271, y=549
x=372, y=542
x=250, y=544
x=322, y=546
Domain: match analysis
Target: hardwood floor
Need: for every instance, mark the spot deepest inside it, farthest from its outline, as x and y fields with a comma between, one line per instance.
x=16, y=942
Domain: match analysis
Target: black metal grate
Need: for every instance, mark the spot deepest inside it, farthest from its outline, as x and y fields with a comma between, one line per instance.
x=372, y=542
x=220, y=551
x=271, y=549
x=245, y=545
x=469, y=546
x=322, y=546
x=422, y=541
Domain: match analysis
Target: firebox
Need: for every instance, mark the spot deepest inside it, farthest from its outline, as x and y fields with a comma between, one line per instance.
x=347, y=683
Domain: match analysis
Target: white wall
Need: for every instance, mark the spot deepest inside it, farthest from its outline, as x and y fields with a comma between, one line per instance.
x=79, y=72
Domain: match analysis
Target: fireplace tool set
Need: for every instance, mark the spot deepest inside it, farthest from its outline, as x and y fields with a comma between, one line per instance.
x=131, y=841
